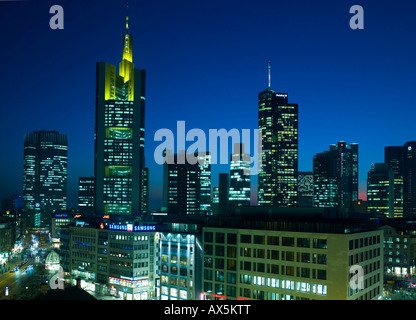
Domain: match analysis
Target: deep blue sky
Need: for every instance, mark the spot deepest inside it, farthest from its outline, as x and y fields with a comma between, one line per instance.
x=206, y=61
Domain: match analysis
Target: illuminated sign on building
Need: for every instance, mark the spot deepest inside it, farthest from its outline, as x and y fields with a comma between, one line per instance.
x=81, y=223
x=131, y=283
x=130, y=227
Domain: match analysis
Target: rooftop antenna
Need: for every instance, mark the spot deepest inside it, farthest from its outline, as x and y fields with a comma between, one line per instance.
x=127, y=17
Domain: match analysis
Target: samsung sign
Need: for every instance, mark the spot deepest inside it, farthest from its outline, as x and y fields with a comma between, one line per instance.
x=131, y=227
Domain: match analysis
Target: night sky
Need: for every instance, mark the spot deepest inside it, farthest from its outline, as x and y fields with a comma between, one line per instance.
x=206, y=62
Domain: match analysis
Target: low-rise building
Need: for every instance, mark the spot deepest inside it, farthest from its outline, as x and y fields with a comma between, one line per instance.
x=399, y=247
x=6, y=244
x=292, y=258
x=180, y=263
x=114, y=259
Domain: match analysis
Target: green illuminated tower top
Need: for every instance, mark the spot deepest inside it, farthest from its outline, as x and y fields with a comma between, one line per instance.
x=119, y=135
x=126, y=66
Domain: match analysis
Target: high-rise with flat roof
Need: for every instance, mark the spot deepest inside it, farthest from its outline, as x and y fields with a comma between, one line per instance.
x=45, y=171
x=240, y=183
x=402, y=161
x=205, y=205
x=380, y=190
x=181, y=186
x=86, y=196
x=335, y=174
x=409, y=190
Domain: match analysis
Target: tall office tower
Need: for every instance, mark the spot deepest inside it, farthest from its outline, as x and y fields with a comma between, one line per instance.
x=409, y=188
x=145, y=192
x=325, y=181
x=278, y=122
x=204, y=160
x=402, y=160
x=335, y=174
x=240, y=188
x=394, y=160
x=305, y=189
x=45, y=171
x=119, y=135
x=86, y=196
x=181, y=187
x=379, y=188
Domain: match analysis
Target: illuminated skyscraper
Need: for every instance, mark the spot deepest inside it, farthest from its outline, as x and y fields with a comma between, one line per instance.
x=240, y=190
x=181, y=187
x=379, y=190
x=409, y=189
x=119, y=135
x=204, y=160
x=278, y=122
x=394, y=160
x=145, y=192
x=86, y=196
x=402, y=160
x=45, y=171
x=335, y=174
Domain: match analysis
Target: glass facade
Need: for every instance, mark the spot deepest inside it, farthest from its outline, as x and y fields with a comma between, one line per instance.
x=379, y=189
x=394, y=160
x=119, y=137
x=204, y=160
x=182, y=187
x=45, y=171
x=409, y=189
x=335, y=174
x=240, y=188
x=278, y=122
x=86, y=196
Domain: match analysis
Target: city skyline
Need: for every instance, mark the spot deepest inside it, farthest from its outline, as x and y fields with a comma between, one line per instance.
x=220, y=73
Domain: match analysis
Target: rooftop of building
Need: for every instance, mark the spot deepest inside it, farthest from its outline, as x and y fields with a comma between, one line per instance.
x=305, y=219
x=299, y=219
x=68, y=293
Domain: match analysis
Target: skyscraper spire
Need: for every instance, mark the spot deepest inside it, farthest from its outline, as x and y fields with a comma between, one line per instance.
x=126, y=67
x=128, y=40
x=270, y=76
x=127, y=17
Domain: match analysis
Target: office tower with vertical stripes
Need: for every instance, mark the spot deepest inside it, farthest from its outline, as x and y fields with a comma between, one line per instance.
x=119, y=135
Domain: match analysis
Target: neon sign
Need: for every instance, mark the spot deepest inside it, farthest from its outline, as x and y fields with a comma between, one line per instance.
x=130, y=227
